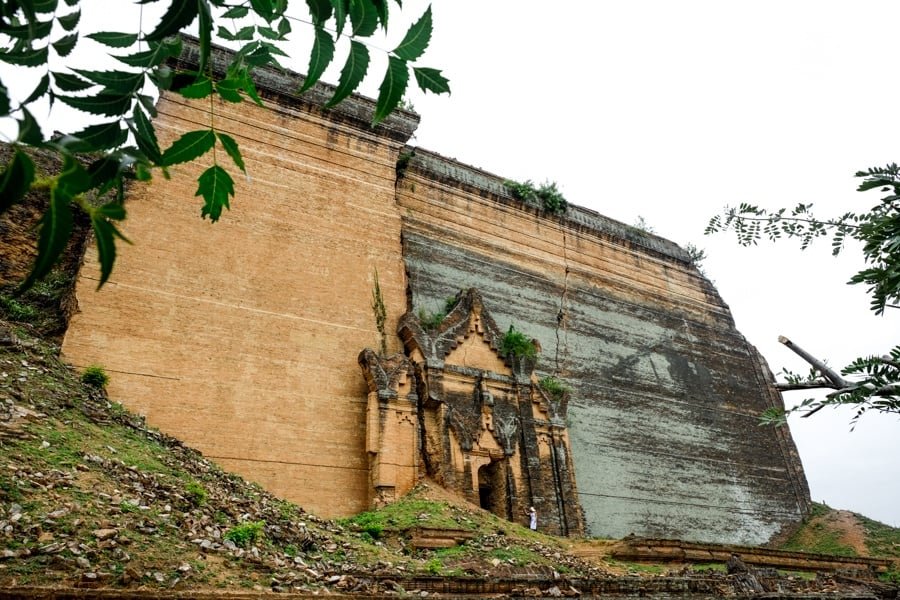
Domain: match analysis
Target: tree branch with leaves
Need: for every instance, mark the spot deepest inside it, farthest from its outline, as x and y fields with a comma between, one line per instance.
x=98, y=159
x=868, y=383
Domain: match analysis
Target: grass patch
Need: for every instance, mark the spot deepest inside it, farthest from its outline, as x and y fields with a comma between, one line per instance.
x=246, y=533
x=403, y=515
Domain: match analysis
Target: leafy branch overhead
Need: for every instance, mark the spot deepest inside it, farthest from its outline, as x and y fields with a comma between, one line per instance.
x=868, y=383
x=122, y=144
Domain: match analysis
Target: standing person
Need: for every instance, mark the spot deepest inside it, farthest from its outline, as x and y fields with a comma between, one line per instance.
x=532, y=519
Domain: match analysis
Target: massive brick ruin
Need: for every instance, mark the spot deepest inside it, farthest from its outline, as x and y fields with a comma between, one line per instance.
x=246, y=338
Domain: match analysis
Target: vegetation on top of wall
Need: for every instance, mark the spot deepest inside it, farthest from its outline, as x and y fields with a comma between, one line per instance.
x=547, y=195
x=697, y=255
x=516, y=343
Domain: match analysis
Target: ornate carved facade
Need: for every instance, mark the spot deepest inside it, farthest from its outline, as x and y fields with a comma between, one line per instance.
x=485, y=427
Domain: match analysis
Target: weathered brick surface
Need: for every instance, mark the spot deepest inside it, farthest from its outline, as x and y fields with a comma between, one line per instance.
x=242, y=337
x=663, y=416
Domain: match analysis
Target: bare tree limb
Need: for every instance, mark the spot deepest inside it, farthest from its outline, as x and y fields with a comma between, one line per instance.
x=830, y=374
x=803, y=385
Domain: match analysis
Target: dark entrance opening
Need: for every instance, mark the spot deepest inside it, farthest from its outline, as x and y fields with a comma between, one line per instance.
x=492, y=488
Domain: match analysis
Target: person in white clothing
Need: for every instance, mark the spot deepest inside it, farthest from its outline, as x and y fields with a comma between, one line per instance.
x=532, y=518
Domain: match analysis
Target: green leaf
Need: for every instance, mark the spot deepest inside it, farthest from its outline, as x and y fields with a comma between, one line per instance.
x=352, y=74
x=431, y=80
x=98, y=137
x=35, y=30
x=149, y=104
x=4, y=100
x=320, y=11
x=156, y=55
x=268, y=32
x=267, y=9
x=381, y=7
x=231, y=147
x=118, y=81
x=201, y=88
x=56, y=227
x=29, y=130
x=70, y=21
x=74, y=178
x=191, y=145
x=215, y=186
x=105, y=234
x=16, y=179
x=416, y=39
x=284, y=27
x=27, y=58
x=179, y=15
x=391, y=90
x=319, y=58
x=229, y=90
x=68, y=82
x=41, y=89
x=205, y=27
x=114, y=39
x=43, y=6
x=363, y=17
x=236, y=12
x=341, y=11
x=64, y=46
x=104, y=103
x=145, y=136
x=244, y=34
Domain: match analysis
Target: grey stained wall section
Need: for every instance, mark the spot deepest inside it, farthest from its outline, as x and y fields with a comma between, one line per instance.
x=663, y=417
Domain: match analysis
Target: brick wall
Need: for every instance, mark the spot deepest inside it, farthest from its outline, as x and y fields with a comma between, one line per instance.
x=242, y=337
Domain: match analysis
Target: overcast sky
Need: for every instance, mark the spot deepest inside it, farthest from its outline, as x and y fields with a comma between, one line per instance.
x=669, y=111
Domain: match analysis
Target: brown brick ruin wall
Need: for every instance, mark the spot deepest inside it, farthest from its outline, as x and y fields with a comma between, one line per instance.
x=241, y=337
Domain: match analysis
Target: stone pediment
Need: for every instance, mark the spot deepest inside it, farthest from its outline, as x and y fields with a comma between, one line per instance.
x=469, y=331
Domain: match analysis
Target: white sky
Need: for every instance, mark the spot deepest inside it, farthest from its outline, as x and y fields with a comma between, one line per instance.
x=670, y=111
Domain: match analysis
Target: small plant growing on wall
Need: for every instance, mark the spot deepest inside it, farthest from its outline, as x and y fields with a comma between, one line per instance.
x=380, y=314
x=95, y=376
x=430, y=321
x=547, y=195
x=515, y=343
x=555, y=388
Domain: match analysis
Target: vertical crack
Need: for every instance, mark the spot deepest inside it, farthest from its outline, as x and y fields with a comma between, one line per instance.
x=562, y=315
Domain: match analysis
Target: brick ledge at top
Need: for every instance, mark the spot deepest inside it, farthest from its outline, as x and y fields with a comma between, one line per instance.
x=458, y=174
x=281, y=87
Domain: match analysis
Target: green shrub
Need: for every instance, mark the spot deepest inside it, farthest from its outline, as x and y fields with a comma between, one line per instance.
x=430, y=321
x=95, y=376
x=245, y=533
x=554, y=387
x=515, y=343
x=547, y=195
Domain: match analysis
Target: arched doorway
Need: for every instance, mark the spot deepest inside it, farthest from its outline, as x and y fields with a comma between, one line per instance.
x=492, y=493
